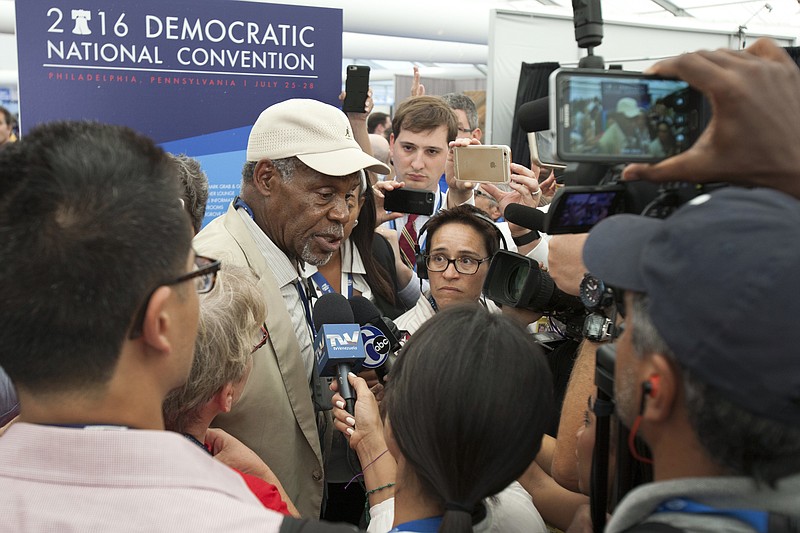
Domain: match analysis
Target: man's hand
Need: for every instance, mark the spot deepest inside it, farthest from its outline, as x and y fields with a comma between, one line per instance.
x=752, y=136
x=565, y=259
x=378, y=189
x=458, y=192
x=368, y=105
x=417, y=89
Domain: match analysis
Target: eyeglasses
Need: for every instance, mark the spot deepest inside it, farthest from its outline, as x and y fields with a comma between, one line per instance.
x=204, y=276
x=464, y=265
x=264, y=337
x=465, y=130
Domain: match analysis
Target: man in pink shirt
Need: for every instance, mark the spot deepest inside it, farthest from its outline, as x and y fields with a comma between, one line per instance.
x=100, y=310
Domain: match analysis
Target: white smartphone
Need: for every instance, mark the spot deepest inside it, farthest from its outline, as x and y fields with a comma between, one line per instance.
x=482, y=163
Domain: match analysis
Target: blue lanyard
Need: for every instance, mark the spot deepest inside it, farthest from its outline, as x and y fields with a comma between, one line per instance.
x=425, y=525
x=306, y=307
x=758, y=520
x=197, y=442
x=238, y=202
x=327, y=288
x=433, y=303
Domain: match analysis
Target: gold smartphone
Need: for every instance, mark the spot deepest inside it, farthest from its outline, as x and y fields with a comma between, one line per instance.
x=482, y=163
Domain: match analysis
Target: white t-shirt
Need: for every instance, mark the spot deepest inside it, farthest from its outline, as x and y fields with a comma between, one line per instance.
x=510, y=511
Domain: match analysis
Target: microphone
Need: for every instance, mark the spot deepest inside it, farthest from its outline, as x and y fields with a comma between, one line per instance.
x=534, y=115
x=338, y=348
x=379, y=334
x=525, y=216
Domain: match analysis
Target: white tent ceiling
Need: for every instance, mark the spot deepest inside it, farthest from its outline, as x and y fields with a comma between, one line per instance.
x=450, y=37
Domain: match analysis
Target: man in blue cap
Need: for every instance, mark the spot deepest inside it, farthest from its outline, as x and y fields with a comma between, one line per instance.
x=706, y=369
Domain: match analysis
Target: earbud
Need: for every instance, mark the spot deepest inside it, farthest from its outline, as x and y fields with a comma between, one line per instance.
x=650, y=387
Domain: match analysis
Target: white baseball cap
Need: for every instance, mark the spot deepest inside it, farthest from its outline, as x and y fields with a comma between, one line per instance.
x=628, y=107
x=316, y=133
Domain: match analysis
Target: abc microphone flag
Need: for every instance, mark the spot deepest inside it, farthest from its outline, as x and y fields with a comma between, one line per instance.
x=378, y=333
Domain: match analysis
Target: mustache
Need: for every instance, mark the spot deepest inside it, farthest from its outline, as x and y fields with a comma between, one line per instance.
x=335, y=231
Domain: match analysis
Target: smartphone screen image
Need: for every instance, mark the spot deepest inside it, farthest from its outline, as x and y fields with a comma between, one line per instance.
x=618, y=117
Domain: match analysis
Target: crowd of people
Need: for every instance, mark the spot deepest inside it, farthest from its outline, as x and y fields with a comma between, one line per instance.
x=159, y=375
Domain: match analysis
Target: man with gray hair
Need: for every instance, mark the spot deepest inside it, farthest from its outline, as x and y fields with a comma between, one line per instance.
x=302, y=178
x=706, y=371
x=467, y=114
x=195, y=188
x=706, y=368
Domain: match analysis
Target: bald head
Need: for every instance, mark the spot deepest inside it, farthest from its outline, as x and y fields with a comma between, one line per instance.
x=380, y=147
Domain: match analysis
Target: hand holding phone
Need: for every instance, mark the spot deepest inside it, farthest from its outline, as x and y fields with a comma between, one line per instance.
x=356, y=89
x=756, y=124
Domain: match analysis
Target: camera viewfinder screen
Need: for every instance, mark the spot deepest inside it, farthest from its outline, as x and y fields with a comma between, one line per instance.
x=585, y=209
x=627, y=117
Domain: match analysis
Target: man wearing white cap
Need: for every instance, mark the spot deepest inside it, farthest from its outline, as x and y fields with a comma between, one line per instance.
x=302, y=177
x=624, y=133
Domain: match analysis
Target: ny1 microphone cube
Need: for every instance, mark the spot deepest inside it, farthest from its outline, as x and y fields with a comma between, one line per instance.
x=337, y=344
x=376, y=347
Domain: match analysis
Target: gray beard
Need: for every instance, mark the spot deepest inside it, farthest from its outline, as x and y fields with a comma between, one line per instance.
x=308, y=255
x=312, y=259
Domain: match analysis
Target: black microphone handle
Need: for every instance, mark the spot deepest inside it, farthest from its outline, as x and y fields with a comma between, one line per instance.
x=384, y=369
x=342, y=370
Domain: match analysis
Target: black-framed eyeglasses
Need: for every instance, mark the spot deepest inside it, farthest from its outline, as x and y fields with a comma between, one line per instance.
x=204, y=276
x=264, y=337
x=465, y=130
x=463, y=265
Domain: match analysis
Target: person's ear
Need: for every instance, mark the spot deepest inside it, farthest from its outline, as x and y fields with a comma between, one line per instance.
x=265, y=176
x=477, y=134
x=223, y=398
x=660, y=389
x=157, y=320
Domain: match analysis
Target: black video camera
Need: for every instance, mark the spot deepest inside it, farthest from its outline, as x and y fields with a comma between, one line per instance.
x=515, y=280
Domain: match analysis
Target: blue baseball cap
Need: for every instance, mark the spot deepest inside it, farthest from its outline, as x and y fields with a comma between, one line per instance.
x=723, y=278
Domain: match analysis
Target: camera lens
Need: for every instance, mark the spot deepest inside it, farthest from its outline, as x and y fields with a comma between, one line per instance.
x=516, y=281
x=430, y=197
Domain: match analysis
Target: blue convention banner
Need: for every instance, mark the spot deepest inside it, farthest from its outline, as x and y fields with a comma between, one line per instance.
x=192, y=75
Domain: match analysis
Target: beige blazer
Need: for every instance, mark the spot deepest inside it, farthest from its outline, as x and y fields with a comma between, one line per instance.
x=275, y=416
